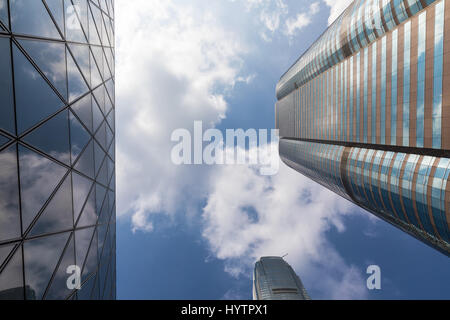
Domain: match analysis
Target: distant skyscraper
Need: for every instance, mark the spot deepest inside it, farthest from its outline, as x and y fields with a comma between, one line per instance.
x=366, y=113
x=57, y=155
x=274, y=279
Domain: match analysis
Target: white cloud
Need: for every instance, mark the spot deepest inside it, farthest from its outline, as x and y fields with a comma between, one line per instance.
x=172, y=61
x=301, y=20
x=248, y=216
x=314, y=8
x=269, y=13
x=175, y=65
x=336, y=8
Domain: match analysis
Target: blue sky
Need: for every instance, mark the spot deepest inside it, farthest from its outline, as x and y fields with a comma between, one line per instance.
x=194, y=232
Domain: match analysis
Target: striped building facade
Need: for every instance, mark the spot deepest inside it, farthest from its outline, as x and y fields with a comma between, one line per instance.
x=365, y=112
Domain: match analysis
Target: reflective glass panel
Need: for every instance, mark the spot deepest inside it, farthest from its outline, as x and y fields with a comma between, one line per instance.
x=79, y=137
x=81, y=188
x=41, y=257
x=58, y=289
x=39, y=177
x=9, y=195
x=35, y=100
x=52, y=137
x=85, y=164
x=11, y=279
x=57, y=216
x=50, y=57
x=6, y=88
x=32, y=18
x=83, y=109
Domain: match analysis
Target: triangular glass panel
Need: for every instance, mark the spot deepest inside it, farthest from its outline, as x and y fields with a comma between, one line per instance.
x=83, y=240
x=81, y=188
x=110, y=89
x=82, y=10
x=57, y=215
x=4, y=253
x=57, y=11
x=104, y=38
x=99, y=95
x=35, y=100
x=110, y=57
x=84, y=294
x=108, y=74
x=32, y=18
x=83, y=109
x=109, y=31
x=6, y=88
x=85, y=164
x=9, y=195
x=58, y=289
x=39, y=178
x=100, y=194
x=91, y=262
x=111, y=120
x=103, y=174
x=52, y=137
x=97, y=18
x=108, y=60
x=106, y=42
x=108, y=104
x=112, y=201
x=3, y=140
x=50, y=57
x=93, y=35
x=103, y=6
x=79, y=137
x=109, y=136
x=110, y=168
x=112, y=184
x=100, y=136
x=42, y=256
x=103, y=268
x=108, y=246
x=81, y=54
x=111, y=8
x=112, y=150
x=99, y=156
x=104, y=272
x=97, y=114
x=95, y=295
x=4, y=12
x=11, y=278
x=89, y=215
x=98, y=55
x=96, y=79
x=109, y=283
x=101, y=231
x=103, y=217
x=74, y=31
x=77, y=85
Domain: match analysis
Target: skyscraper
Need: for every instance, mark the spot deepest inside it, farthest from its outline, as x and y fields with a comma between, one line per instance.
x=274, y=279
x=365, y=113
x=57, y=154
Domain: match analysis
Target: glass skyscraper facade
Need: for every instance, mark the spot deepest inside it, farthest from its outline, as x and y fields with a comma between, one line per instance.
x=365, y=113
x=57, y=154
x=274, y=279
